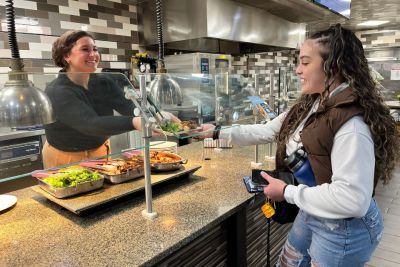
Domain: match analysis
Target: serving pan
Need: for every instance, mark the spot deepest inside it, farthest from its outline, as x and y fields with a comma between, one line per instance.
x=121, y=175
x=63, y=192
x=159, y=160
x=72, y=190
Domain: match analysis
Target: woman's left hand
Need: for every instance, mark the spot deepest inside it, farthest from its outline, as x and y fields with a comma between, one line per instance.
x=274, y=189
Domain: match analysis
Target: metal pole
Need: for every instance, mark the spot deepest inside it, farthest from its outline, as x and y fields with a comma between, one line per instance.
x=257, y=85
x=256, y=146
x=146, y=132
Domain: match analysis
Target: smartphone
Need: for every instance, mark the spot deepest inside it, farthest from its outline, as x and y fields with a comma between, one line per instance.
x=258, y=179
x=251, y=187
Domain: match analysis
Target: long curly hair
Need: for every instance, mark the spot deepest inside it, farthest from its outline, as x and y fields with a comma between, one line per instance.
x=343, y=56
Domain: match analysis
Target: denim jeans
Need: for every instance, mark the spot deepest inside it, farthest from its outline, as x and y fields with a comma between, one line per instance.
x=332, y=242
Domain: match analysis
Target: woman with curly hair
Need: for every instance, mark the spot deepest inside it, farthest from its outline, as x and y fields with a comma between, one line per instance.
x=346, y=129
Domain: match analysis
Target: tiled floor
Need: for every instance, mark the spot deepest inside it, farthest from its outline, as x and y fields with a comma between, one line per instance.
x=388, y=252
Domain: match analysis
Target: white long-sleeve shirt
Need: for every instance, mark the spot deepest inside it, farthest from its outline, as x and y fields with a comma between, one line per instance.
x=352, y=159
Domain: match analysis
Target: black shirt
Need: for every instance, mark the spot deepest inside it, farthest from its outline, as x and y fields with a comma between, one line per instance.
x=84, y=117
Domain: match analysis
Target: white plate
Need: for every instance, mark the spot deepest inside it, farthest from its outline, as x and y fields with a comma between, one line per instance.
x=7, y=201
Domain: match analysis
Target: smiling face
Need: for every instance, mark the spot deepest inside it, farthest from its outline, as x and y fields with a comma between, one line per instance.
x=84, y=56
x=310, y=70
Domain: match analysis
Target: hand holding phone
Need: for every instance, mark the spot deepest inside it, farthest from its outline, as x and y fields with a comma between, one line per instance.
x=251, y=187
x=258, y=179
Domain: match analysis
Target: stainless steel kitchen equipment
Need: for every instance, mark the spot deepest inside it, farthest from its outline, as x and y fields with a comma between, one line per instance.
x=218, y=26
x=19, y=156
x=208, y=86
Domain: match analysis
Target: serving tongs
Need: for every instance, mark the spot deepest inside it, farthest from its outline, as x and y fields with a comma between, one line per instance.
x=156, y=112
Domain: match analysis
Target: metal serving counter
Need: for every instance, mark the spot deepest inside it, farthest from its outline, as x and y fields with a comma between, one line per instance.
x=20, y=153
x=8, y=133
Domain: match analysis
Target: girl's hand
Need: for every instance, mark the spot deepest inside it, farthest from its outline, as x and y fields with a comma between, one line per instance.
x=275, y=188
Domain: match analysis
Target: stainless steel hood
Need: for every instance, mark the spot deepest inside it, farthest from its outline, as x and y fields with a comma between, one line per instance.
x=217, y=26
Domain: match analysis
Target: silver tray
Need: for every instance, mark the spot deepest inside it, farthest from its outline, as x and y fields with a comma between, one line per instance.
x=123, y=177
x=72, y=190
x=168, y=166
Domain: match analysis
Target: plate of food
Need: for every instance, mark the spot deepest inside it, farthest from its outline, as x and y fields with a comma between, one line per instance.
x=159, y=160
x=69, y=181
x=116, y=171
x=178, y=128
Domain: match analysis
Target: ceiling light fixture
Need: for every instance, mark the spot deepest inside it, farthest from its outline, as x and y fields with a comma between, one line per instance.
x=21, y=104
x=373, y=23
x=164, y=88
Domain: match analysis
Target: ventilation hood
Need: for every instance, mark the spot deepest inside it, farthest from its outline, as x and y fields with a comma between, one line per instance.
x=217, y=26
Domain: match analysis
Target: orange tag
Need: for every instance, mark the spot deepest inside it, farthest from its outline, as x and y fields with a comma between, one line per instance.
x=268, y=210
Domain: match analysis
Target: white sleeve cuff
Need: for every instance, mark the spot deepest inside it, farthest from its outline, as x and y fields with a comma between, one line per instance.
x=289, y=193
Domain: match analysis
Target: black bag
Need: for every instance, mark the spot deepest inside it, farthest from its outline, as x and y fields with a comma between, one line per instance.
x=285, y=212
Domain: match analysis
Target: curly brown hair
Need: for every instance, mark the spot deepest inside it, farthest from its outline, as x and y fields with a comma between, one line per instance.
x=343, y=56
x=63, y=45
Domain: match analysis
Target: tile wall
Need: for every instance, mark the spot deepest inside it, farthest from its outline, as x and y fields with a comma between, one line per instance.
x=376, y=43
x=113, y=23
x=379, y=38
x=276, y=66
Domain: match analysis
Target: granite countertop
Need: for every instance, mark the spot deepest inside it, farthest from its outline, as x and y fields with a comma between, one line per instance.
x=37, y=232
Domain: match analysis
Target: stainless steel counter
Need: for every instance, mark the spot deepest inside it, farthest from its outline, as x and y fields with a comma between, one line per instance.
x=9, y=134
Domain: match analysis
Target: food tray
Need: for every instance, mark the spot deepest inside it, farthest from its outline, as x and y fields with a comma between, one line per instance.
x=123, y=177
x=195, y=131
x=72, y=190
x=168, y=166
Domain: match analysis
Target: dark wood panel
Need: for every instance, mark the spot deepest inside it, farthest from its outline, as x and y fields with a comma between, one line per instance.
x=257, y=229
x=210, y=249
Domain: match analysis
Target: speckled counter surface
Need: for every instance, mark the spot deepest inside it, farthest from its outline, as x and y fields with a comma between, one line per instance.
x=37, y=232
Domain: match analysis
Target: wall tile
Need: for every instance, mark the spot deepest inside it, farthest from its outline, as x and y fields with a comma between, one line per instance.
x=94, y=2
x=78, y=5
x=98, y=22
x=105, y=3
x=40, y=46
x=56, y=2
x=121, y=19
x=5, y=53
x=69, y=10
x=106, y=44
x=37, y=14
x=25, y=4
x=47, y=7
x=111, y=26
x=80, y=19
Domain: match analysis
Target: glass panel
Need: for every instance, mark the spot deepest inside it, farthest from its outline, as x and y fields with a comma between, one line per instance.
x=289, y=87
x=85, y=121
x=202, y=98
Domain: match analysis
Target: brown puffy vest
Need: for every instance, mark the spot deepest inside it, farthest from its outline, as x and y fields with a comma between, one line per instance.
x=319, y=131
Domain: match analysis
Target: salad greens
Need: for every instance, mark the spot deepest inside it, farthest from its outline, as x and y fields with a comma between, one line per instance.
x=171, y=127
x=71, y=178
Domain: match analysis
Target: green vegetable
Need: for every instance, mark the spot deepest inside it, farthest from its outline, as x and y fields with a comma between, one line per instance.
x=71, y=178
x=171, y=127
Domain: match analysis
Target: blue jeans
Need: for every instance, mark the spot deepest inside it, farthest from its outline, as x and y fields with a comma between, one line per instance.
x=332, y=242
